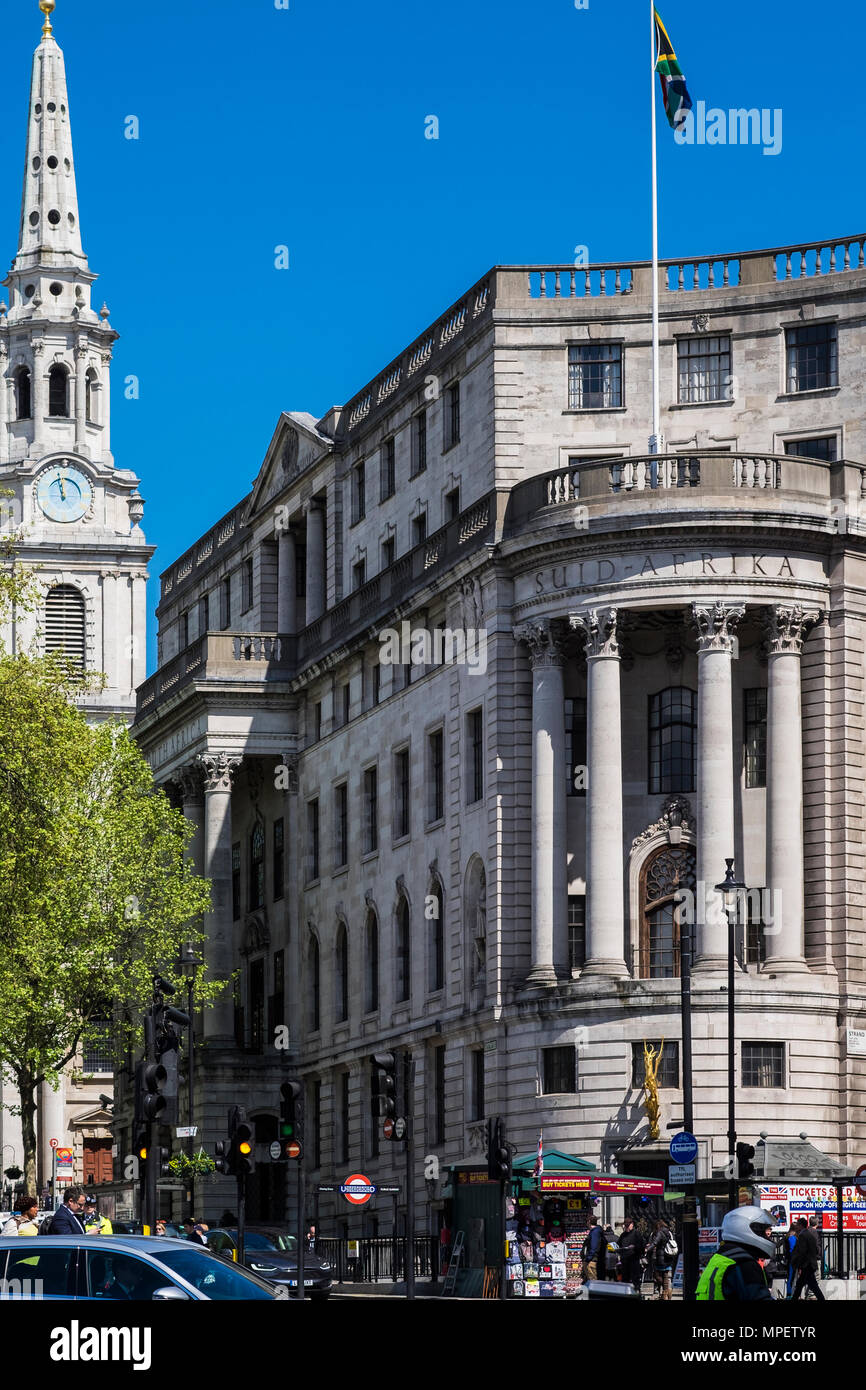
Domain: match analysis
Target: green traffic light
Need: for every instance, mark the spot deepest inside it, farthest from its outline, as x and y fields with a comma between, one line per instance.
x=286, y=1130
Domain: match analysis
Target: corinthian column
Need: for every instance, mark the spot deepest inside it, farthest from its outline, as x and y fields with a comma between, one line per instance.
x=715, y=799
x=549, y=853
x=787, y=629
x=604, y=846
x=218, y=770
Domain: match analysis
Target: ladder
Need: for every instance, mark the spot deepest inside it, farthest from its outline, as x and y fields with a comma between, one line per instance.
x=454, y=1261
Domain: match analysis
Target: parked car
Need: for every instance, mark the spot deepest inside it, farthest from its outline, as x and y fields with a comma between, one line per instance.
x=124, y=1268
x=272, y=1254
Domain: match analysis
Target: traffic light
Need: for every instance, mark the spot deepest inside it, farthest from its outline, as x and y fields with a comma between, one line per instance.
x=224, y=1156
x=292, y=1111
x=150, y=1081
x=745, y=1166
x=242, y=1156
x=164, y=1156
x=383, y=1086
x=140, y=1146
x=498, y=1152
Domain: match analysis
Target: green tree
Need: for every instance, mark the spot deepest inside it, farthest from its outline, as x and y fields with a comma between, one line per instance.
x=95, y=890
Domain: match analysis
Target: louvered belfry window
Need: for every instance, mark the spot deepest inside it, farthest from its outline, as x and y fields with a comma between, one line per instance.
x=64, y=624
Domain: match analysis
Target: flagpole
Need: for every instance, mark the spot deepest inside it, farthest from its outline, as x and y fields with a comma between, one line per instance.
x=654, y=441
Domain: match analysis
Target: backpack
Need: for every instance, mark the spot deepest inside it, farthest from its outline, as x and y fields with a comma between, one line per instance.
x=670, y=1246
x=45, y=1224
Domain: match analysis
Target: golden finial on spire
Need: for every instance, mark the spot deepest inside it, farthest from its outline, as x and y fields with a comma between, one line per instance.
x=47, y=8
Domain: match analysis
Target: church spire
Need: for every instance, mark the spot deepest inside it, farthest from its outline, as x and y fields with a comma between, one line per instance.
x=50, y=234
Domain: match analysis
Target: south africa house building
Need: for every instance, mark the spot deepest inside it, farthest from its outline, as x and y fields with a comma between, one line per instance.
x=475, y=855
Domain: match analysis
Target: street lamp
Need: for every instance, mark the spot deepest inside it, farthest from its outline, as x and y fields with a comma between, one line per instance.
x=189, y=963
x=730, y=888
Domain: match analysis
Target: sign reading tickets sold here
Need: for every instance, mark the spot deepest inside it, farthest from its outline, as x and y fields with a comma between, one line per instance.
x=788, y=1201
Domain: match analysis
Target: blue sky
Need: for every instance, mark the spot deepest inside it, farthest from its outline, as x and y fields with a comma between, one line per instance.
x=305, y=127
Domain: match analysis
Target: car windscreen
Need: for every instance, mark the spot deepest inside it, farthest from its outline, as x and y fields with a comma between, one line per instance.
x=212, y=1277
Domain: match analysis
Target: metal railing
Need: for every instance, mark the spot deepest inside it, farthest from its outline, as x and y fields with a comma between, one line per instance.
x=379, y=1258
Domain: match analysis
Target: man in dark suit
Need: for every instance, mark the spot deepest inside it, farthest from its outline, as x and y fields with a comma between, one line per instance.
x=67, y=1218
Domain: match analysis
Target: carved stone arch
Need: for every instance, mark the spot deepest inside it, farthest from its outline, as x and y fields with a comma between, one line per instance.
x=68, y=579
x=256, y=934
x=342, y=955
x=401, y=932
x=313, y=977
x=659, y=866
x=434, y=924
x=475, y=927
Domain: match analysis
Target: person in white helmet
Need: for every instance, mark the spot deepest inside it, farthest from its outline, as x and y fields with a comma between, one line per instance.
x=734, y=1274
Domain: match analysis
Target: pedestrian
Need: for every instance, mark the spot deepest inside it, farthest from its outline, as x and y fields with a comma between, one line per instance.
x=816, y=1226
x=228, y=1218
x=592, y=1251
x=160, y=1227
x=631, y=1248
x=790, y=1242
x=611, y=1253
x=27, y=1223
x=806, y=1257
x=734, y=1273
x=9, y=1227
x=311, y=1238
x=192, y=1231
x=662, y=1250
x=94, y=1224
x=67, y=1218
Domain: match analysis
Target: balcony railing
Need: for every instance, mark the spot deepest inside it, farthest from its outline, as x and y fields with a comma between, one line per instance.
x=217, y=656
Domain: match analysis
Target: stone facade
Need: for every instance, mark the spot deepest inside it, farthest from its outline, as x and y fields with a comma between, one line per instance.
x=671, y=676
x=77, y=515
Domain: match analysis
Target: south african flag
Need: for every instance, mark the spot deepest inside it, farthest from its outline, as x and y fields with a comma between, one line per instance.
x=674, y=91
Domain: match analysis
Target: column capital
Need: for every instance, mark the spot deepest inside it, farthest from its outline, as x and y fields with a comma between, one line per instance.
x=599, y=625
x=787, y=628
x=218, y=770
x=191, y=783
x=715, y=624
x=544, y=640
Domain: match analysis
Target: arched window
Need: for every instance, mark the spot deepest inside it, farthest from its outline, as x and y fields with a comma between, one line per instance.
x=65, y=624
x=314, y=999
x=341, y=974
x=58, y=391
x=257, y=866
x=23, y=410
x=91, y=395
x=666, y=873
x=371, y=983
x=475, y=917
x=435, y=913
x=403, y=952
x=673, y=723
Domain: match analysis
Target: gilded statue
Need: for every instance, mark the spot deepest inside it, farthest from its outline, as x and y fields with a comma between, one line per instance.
x=651, y=1062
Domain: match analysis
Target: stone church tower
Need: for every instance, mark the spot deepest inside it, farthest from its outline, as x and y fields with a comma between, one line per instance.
x=78, y=516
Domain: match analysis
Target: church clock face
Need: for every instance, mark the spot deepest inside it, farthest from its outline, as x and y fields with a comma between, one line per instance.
x=64, y=493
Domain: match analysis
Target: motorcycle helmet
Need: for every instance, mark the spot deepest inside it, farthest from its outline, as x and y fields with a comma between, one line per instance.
x=749, y=1226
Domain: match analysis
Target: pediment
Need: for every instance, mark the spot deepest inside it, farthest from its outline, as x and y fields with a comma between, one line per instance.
x=296, y=444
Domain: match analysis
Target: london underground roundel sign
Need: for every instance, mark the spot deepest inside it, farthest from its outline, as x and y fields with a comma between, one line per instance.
x=357, y=1189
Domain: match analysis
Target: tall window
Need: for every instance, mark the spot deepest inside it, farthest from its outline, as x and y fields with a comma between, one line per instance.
x=317, y=721
x=257, y=1005
x=312, y=840
x=314, y=997
x=341, y=975
x=401, y=793
x=419, y=529
x=247, y=584
x=279, y=858
x=437, y=936
x=226, y=602
x=387, y=470
x=419, y=442
x=91, y=382
x=594, y=376
x=575, y=742
x=278, y=999
x=359, y=574
x=22, y=393
x=403, y=952
x=436, y=783
x=673, y=723
x=755, y=737
x=257, y=866
x=823, y=446
x=438, y=1116
x=558, y=1071
x=452, y=415
x=65, y=624
x=347, y=702
x=763, y=1064
x=359, y=492
x=667, y=872
x=576, y=931
x=345, y=1131
x=204, y=614
x=704, y=370
x=236, y=881
x=317, y=1124
x=58, y=391
x=475, y=756
x=97, y=1052
x=452, y=504
x=668, y=1067
x=371, y=810
x=811, y=353
x=371, y=991
x=477, y=1087
x=183, y=631
x=341, y=826
x=753, y=925
x=388, y=553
